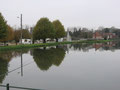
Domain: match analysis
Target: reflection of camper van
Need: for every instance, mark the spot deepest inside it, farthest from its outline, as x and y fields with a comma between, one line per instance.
x=26, y=41
x=1, y=44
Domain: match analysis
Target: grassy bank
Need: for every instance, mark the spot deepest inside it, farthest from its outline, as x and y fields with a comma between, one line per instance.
x=2, y=48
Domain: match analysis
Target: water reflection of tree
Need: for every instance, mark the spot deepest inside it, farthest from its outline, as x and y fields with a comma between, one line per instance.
x=8, y=55
x=112, y=46
x=5, y=57
x=84, y=47
x=46, y=58
x=3, y=69
x=117, y=45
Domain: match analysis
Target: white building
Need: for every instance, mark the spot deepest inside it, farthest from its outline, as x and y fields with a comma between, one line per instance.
x=26, y=41
x=60, y=40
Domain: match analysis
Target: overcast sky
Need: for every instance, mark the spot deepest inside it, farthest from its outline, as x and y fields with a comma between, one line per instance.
x=85, y=13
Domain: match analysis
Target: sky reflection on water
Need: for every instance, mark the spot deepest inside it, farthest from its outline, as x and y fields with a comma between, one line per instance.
x=67, y=67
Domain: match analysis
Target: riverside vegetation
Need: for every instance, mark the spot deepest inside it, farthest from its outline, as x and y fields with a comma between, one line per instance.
x=2, y=48
x=43, y=29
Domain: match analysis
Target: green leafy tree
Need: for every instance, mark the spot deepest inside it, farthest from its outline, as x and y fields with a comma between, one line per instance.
x=43, y=30
x=17, y=36
x=81, y=33
x=106, y=30
x=3, y=27
x=25, y=35
x=59, y=29
x=9, y=35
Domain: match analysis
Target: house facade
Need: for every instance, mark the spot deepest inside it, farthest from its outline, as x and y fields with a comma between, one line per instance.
x=98, y=35
x=109, y=35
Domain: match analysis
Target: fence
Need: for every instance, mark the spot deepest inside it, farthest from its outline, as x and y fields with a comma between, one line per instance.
x=7, y=86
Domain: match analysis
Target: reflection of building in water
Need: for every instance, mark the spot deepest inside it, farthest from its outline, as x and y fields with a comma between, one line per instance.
x=97, y=46
x=104, y=46
x=85, y=47
x=68, y=36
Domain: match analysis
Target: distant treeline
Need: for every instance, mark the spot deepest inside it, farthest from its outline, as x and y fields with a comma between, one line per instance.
x=80, y=33
x=85, y=33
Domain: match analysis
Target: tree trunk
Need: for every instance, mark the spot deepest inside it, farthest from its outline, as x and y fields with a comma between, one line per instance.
x=33, y=41
x=4, y=43
x=56, y=39
x=44, y=48
x=57, y=46
x=44, y=40
x=16, y=43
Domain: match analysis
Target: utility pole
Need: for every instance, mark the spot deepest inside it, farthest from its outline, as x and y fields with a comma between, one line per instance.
x=21, y=43
x=21, y=26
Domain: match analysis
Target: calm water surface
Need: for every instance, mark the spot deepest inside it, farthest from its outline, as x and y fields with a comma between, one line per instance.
x=68, y=67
